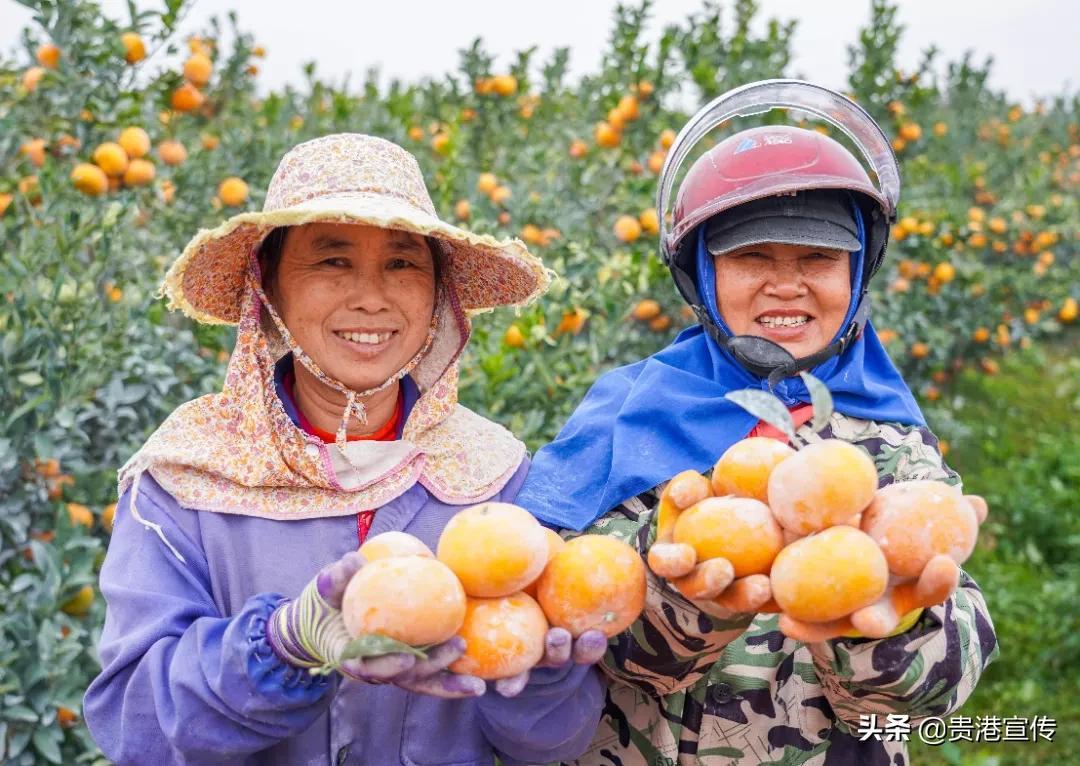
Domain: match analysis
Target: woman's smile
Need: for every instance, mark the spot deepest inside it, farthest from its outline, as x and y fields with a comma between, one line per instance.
x=366, y=344
x=785, y=325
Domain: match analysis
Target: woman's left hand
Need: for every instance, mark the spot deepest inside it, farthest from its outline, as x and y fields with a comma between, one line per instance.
x=560, y=649
x=309, y=632
x=898, y=609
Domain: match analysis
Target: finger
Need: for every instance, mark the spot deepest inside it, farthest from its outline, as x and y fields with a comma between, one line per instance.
x=881, y=618
x=589, y=647
x=978, y=504
x=707, y=580
x=687, y=489
x=938, y=580
x=446, y=685
x=557, y=645
x=814, y=632
x=332, y=580
x=746, y=594
x=512, y=686
x=438, y=658
x=671, y=560
x=681, y=492
x=378, y=669
x=769, y=607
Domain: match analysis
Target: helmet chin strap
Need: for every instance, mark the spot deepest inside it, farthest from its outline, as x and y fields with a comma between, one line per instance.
x=767, y=359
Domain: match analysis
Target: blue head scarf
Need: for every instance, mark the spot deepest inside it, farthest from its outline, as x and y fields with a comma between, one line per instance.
x=641, y=424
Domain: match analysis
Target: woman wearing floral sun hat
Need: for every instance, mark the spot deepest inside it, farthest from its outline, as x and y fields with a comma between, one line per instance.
x=217, y=605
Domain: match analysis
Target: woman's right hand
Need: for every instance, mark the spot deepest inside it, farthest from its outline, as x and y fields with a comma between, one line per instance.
x=309, y=632
x=711, y=584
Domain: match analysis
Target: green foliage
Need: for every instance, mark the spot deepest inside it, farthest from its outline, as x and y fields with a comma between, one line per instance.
x=93, y=362
x=1023, y=460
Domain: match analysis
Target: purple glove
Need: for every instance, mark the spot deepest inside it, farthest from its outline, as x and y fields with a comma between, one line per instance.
x=560, y=649
x=309, y=632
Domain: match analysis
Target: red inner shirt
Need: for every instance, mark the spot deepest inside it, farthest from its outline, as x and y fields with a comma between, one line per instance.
x=799, y=413
x=386, y=433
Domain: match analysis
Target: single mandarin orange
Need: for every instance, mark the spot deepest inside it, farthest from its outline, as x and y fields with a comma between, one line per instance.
x=828, y=575
x=821, y=485
x=495, y=549
x=593, y=581
x=744, y=468
x=913, y=521
x=413, y=599
x=504, y=636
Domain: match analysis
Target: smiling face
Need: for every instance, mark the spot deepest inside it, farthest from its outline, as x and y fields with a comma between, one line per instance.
x=793, y=295
x=357, y=299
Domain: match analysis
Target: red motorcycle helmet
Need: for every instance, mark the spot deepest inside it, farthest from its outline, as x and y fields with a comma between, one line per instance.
x=766, y=161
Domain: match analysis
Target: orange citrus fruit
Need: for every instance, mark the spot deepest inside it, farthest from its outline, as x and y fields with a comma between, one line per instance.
x=139, y=173
x=80, y=515
x=134, y=47
x=504, y=636
x=646, y=309
x=111, y=158
x=79, y=604
x=828, y=575
x=739, y=529
x=821, y=485
x=413, y=599
x=48, y=55
x=197, y=69
x=744, y=468
x=172, y=152
x=486, y=183
x=593, y=581
x=135, y=142
x=89, y=179
x=495, y=549
x=627, y=228
x=913, y=521
x=187, y=98
x=650, y=221
x=233, y=192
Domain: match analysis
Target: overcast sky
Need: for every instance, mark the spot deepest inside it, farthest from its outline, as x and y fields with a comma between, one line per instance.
x=1034, y=43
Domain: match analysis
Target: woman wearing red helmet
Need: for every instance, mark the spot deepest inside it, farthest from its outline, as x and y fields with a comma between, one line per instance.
x=776, y=233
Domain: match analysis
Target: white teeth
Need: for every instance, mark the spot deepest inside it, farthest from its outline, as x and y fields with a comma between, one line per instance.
x=784, y=321
x=366, y=337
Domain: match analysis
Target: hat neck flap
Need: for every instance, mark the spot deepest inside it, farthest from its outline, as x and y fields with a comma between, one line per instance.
x=239, y=452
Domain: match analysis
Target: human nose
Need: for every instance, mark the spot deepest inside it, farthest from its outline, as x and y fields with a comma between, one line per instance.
x=368, y=292
x=785, y=284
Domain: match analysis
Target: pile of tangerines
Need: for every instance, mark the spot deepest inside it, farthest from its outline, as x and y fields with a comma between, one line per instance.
x=807, y=533
x=498, y=579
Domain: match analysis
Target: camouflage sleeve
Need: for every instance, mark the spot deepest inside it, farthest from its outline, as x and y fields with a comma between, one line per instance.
x=673, y=644
x=932, y=668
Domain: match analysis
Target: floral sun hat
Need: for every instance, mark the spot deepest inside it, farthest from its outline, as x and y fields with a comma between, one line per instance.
x=238, y=451
x=348, y=178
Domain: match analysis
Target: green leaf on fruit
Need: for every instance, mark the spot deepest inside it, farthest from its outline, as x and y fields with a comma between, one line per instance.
x=821, y=400
x=764, y=406
x=375, y=645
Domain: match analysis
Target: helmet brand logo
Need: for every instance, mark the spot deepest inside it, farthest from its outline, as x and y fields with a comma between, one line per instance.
x=769, y=139
x=746, y=145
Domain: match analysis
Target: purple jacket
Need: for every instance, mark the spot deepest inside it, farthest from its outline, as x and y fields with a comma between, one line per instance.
x=188, y=676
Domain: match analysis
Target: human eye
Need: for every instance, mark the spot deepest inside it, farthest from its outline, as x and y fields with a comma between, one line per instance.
x=335, y=261
x=400, y=263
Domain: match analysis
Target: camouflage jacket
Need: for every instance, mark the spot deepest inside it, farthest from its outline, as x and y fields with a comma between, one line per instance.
x=687, y=688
